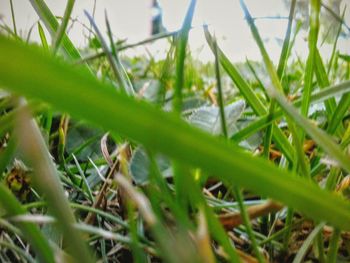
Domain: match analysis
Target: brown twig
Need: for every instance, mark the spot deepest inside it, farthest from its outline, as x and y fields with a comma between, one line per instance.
x=231, y=220
x=90, y=218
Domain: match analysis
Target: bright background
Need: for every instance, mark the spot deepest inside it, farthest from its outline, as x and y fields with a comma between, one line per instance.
x=130, y=19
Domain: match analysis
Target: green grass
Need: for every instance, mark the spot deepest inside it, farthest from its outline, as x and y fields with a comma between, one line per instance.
x=84, y=142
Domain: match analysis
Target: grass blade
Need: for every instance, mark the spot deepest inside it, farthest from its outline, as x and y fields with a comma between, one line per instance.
x=116, y=65
x=52, y=26
x=219, y=89
x=180, y=56
x=247, y=223
x=46, y=179
x=84, y=97
x=338, y=114
x=320, y=137
x=251, y=98
x=127, y=46
x=314, y=27
x=13, y=18
x=307, y=243
x=62, y=28
x=43, y=39
x=334, y=246
x=323, y=82
x=21, y=252
x=286, y=43
x=270, y=68
x=330, y=63
x=275, y=79
x=268, y=63
x=319, y=96
x=237, y=191
x=30, y=230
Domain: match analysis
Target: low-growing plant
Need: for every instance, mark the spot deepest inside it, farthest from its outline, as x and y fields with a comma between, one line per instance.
x=111, y=158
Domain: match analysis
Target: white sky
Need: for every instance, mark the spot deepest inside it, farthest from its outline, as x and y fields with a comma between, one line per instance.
x=130, y=19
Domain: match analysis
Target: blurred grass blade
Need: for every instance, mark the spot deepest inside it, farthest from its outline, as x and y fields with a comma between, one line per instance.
x=7, y=121
x=84, y=97
x=335, y=15
x=52, y=26
x=203, y=240
x=7, y=155
x=251, y=98
x=224, y=131
x=30, y=231
x=334, y=245
x=56, y=40
x=339, y=113
x=127, y=46
x=321, y=138
x=46, y=179
x=180, y=172
x=286, y=43
x=257, y=78
x=22, y=252
x=247, y=92
x=330, y=63
x=275, y=79
x=319, y=96
x=165, y=239
x=219, y=234
x=344, y=57
x=43, y=39
x=13, y=18
x=307, y=243
x=268, y=63
x=245, y=218
x=270, y=69
x=310, y=63
x=180, y=56
x=219, y=90
x=117, y=67
x=323, y=82
x=110, y=35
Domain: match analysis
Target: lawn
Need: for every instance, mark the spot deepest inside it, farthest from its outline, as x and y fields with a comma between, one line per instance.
x=113, y=158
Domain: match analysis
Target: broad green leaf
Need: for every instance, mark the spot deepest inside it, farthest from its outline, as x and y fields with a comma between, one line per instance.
x=207, y=118
x=83, y=96
x=140, y=166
